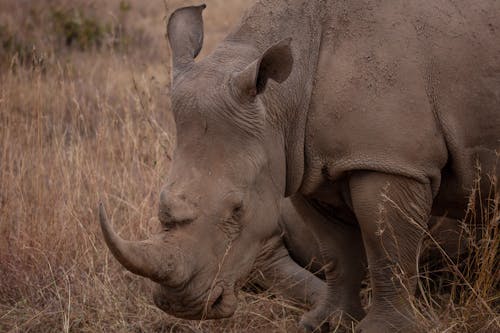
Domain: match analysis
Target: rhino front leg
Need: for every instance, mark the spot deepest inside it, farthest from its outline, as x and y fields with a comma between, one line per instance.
x=392, y=212
x=342, y=251
x=277, y=271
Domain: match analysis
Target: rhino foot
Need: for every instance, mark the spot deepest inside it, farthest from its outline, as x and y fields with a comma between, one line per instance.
x=375, y=324
x=323, y=320
x=310, y=325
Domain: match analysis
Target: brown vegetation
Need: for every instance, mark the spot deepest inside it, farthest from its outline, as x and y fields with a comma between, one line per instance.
x=84, y=116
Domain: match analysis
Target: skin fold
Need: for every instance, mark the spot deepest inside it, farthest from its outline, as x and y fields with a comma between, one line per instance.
x=371, y=116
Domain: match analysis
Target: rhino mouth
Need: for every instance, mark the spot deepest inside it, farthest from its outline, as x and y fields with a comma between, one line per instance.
x=216, y=303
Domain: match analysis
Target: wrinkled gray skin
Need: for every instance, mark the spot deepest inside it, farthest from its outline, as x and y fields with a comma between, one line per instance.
x=291, y=263
x=369, y=111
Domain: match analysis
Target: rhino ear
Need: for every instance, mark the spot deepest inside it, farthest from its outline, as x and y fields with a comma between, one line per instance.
x=275, y=63
x=185, y=36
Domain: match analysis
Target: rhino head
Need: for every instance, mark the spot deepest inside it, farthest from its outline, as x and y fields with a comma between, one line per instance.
x=220, y=203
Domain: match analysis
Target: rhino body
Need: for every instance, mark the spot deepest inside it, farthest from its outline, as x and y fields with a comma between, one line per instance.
x=372, y=114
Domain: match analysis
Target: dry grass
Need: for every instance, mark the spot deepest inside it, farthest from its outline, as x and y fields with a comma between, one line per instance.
x=89, y=119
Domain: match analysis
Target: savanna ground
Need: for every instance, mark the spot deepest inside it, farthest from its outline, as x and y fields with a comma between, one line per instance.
x=84, y=116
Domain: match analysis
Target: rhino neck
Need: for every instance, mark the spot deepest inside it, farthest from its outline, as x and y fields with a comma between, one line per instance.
x=287, y=104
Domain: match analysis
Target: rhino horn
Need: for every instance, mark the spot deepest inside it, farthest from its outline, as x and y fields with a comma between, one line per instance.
x=140, y=257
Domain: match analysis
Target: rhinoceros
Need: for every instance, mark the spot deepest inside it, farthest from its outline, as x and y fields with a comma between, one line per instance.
x=374, y=114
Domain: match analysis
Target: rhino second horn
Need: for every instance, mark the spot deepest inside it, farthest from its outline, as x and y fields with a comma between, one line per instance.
x=140, y=257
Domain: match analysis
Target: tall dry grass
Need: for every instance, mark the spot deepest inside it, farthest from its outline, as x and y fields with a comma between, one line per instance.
x=84, y=116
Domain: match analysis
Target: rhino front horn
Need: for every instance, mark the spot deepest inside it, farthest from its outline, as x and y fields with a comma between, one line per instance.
x=143, y=258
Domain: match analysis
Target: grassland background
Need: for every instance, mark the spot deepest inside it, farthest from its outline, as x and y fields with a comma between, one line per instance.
x=84, y=116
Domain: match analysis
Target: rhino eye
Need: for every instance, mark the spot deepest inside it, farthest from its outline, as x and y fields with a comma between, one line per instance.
x=237, y=211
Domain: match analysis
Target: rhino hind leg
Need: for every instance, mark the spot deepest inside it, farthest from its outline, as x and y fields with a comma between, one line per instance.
x=392, y=212
x=342, y=250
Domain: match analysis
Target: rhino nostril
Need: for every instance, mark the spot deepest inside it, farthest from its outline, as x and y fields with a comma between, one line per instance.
x=217, y=302
x=217, y=297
